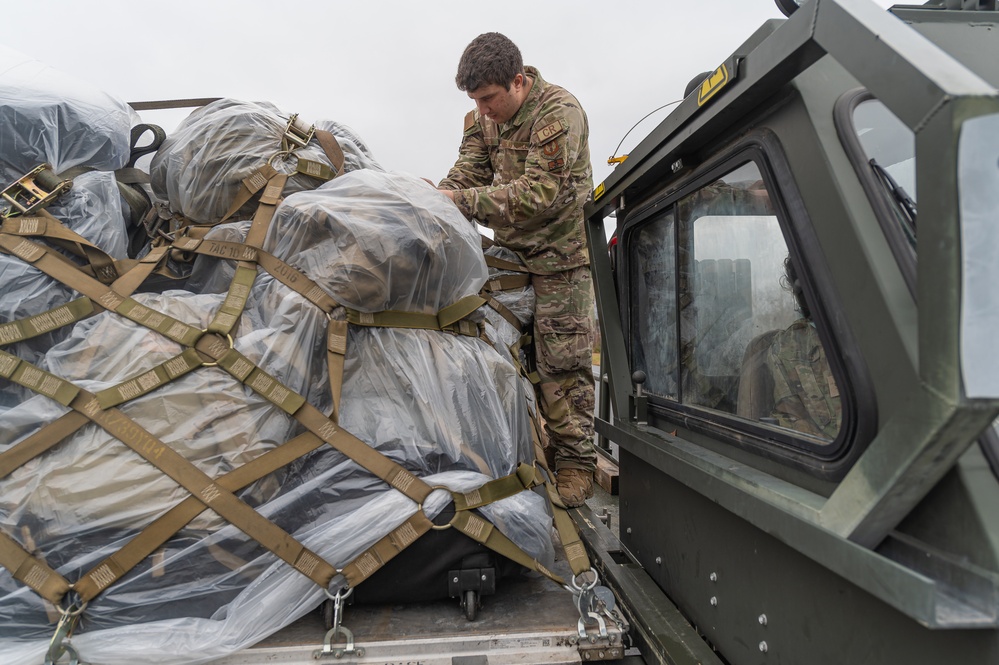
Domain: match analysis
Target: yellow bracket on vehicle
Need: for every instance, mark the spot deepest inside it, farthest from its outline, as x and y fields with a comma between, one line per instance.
x=33, y=191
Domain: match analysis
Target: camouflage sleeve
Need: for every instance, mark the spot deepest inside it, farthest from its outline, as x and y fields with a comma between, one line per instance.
x=473, y=168
x=557, y=139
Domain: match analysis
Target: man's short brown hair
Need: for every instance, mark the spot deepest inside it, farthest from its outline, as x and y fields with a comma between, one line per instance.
x=491, y=58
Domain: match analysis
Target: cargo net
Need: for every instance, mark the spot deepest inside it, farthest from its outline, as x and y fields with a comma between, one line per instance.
x=304, y=365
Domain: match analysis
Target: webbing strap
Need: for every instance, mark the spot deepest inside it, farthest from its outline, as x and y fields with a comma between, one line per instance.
x=575, y=552
x=332, y=148
x=525, y=477
x=133, y=279
x=228, y=314
x=507, y=283
x=24, y=373
x=482, y=531
x=269, y=200
x=40, y=441
x=288, y=275
x=451, y=318
x=336, y=355
x=31, y=571
x=150, y=380
x=501, y=264
x=251, y=184
x=159, y=531
x=46, y=226
x=313, y=420
x=376, y=556
x=246, y=270
x=39, y=324
x=48, y=261
x=504, y=311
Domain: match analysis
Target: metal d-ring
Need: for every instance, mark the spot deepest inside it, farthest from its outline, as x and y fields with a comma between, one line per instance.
x=581, y=588
x=214, y=363
x=435, y=527
x=282, y=153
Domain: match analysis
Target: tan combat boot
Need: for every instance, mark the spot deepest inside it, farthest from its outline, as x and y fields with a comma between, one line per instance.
x=575, y=486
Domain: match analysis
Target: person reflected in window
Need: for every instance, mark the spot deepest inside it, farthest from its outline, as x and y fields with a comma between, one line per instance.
x=806, y=398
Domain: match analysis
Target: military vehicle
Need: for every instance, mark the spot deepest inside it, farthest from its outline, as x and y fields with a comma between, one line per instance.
x=800, y=396
x=803, y=388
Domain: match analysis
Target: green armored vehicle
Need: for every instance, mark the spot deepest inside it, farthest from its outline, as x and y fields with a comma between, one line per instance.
x=800, y=369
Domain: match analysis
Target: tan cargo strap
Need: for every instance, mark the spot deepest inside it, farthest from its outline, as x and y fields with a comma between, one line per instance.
x=152, y=262
x=46, y=226
x=575, y=552
x=288, y=275
x=49, y=262
x=482, y=531
x=568, y=534
x=158, y=532
x=507, y=283
x=449, y=319
x=333, y=151
x=40, y=441
x=39, y=324
x=31, y=571
x=505, y=312
x=252, y=184
x=524, y=478
x=376, y=556
x=336, y=355
x=501, y=264
x=150, y=380
x=246, y=271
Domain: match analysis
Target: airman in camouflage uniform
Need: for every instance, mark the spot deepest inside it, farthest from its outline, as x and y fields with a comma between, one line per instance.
x=523, y=170
x=806, y=398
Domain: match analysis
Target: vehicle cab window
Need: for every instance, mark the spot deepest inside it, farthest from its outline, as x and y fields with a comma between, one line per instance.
x=719, y=319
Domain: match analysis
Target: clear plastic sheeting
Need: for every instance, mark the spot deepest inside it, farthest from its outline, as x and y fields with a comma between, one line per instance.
x=449, y=408
x=201, y=166
x=47, y=116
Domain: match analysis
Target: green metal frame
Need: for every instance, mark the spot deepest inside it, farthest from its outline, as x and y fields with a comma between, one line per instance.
x=933, y=94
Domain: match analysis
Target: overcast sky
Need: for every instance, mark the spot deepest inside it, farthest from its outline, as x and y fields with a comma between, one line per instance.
x=386, y=68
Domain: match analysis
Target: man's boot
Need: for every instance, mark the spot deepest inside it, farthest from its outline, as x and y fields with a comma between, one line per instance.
x=574, y=486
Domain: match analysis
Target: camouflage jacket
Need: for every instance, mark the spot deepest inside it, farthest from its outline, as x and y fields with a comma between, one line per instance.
x=805, y=394
x=529, y=178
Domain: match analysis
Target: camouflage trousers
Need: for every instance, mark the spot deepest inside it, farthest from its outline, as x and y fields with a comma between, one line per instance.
x=563, y=346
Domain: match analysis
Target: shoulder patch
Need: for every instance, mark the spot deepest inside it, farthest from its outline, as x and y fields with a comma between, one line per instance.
x=469, y=121
x=549, y=131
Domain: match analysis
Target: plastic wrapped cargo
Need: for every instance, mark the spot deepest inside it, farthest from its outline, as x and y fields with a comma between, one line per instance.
x=449, y=408
x=47, y=116
x=201, y=166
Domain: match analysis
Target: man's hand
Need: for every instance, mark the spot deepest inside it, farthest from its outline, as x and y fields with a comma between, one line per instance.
x=448, y=193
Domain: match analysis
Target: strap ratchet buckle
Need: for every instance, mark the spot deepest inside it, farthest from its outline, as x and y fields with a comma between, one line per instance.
x=33, y=191
x=298, y=133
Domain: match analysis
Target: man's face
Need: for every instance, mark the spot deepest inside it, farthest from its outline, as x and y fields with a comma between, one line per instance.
x=496, y=102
